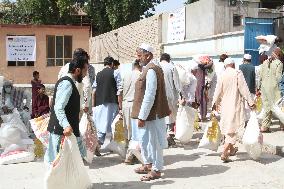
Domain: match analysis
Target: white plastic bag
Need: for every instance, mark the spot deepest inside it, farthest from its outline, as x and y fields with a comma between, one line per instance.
x=252, y=138
x=134, y=148
x=208, y=143
x=67, y=169
x=184, y=123
x=183, y=74
x=277, y=110
x=17, y=157
x=89, y=136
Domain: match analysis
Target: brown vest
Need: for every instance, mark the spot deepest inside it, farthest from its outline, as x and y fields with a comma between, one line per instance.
x=160, y=107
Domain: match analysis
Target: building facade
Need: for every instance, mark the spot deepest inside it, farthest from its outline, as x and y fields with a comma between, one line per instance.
x=54, y=47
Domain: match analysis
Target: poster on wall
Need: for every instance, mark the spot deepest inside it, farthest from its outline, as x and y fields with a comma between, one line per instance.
x=176, y=26
x=21, y=48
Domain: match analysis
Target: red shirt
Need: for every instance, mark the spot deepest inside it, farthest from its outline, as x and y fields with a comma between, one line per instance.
x=41, y=105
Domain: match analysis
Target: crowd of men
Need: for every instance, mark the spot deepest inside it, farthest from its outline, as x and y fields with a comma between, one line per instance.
x=148, y=98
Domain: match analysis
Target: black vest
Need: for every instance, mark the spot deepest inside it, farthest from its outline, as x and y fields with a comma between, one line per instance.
x=72, y=111
x=106, y=87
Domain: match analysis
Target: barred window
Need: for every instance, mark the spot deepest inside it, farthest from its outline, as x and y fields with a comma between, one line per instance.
x=58, y=50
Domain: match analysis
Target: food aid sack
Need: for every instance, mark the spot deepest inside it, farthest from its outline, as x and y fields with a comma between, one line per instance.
x=185, y=123
x=212, y=135
x=118, y=143
x=89, y=136
x=39, y=126
x=68, y=170
x=253, y=138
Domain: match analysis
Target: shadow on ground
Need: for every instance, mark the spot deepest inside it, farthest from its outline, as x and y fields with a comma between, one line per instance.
x=105, y=161
x=264, y=158
x=171, y=159
x=132, y=184
x=187, y=172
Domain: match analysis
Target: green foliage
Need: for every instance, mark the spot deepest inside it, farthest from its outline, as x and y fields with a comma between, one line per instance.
x=105, y=15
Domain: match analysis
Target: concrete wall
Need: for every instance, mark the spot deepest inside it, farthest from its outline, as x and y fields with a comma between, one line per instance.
x=224, y=14
x=23, y=74
x=123, y=47
x=200, y=19
x=230, y=43
x=212, y=17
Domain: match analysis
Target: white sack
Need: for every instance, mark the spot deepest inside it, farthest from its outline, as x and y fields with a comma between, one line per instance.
x=68, y=170
x=252, y=138
x=184, y=123
x=22, y=157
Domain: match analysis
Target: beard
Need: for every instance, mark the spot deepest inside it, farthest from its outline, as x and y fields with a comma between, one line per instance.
x=142, y=64
x=80, y=78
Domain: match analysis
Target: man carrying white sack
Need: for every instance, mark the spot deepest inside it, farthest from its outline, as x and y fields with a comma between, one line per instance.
x=173, y=89
x=231, y=94
x=130, y=125
x=64, y=117
x=188, y=91
x=150, y=107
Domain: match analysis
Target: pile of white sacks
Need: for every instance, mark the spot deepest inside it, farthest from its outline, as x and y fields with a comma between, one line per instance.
x=15, y=144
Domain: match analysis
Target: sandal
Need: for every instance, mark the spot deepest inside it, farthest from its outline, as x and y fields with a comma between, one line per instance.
x=152, y=175
x=144, y=169
x=233, y=153
x=225, y=158
x=265, y=130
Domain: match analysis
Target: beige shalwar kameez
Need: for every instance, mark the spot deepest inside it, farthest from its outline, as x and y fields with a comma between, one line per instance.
x=232, y=92
x=270, y=75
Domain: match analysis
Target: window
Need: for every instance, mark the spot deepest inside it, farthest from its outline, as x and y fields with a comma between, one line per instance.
x=20, y=63
x=237, y=20
x=58, y=50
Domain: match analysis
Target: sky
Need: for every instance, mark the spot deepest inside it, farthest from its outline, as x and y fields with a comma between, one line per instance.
x=169, y=5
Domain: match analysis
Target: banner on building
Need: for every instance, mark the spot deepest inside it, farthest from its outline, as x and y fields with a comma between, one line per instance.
x=176, y=26
x=21, y=48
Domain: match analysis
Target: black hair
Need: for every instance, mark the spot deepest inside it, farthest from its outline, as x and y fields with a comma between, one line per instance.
x=223, y=57
x=166, y=57
x=35, y=73
x=77, y=63
x=108, y=61
x=79, y=52
x=116, y=63
x=40, y=86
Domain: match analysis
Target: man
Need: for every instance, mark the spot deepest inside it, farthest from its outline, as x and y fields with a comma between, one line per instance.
x=231, y=93
x=41, y=102
x=16, y=98
x=116, y=64
x=35, y=82
x=248, y=71
x=173, y=89
x=107, y=98
x=270, y=76
x=85, y=86
x=150, y=107
x=64, y=117
x=188, y=91
x=128, y=85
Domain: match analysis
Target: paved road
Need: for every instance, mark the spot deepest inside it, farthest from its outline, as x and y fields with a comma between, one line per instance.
x=185, y=167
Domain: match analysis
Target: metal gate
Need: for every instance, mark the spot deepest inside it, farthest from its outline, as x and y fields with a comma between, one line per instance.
x=253, y=28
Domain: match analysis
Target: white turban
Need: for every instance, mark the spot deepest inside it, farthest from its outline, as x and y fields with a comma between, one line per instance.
x=247, y=56
x=147, y=47
x=229, y=61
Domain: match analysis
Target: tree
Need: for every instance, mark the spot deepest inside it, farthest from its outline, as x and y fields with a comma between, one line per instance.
x=105, y=15
x=112, y=14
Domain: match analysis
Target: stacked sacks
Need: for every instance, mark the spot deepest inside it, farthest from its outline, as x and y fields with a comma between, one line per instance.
x=14, y=139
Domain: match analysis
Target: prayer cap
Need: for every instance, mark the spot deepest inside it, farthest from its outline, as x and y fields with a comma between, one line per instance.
x=229, y=61
x=247, y=56
x=147, y=47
